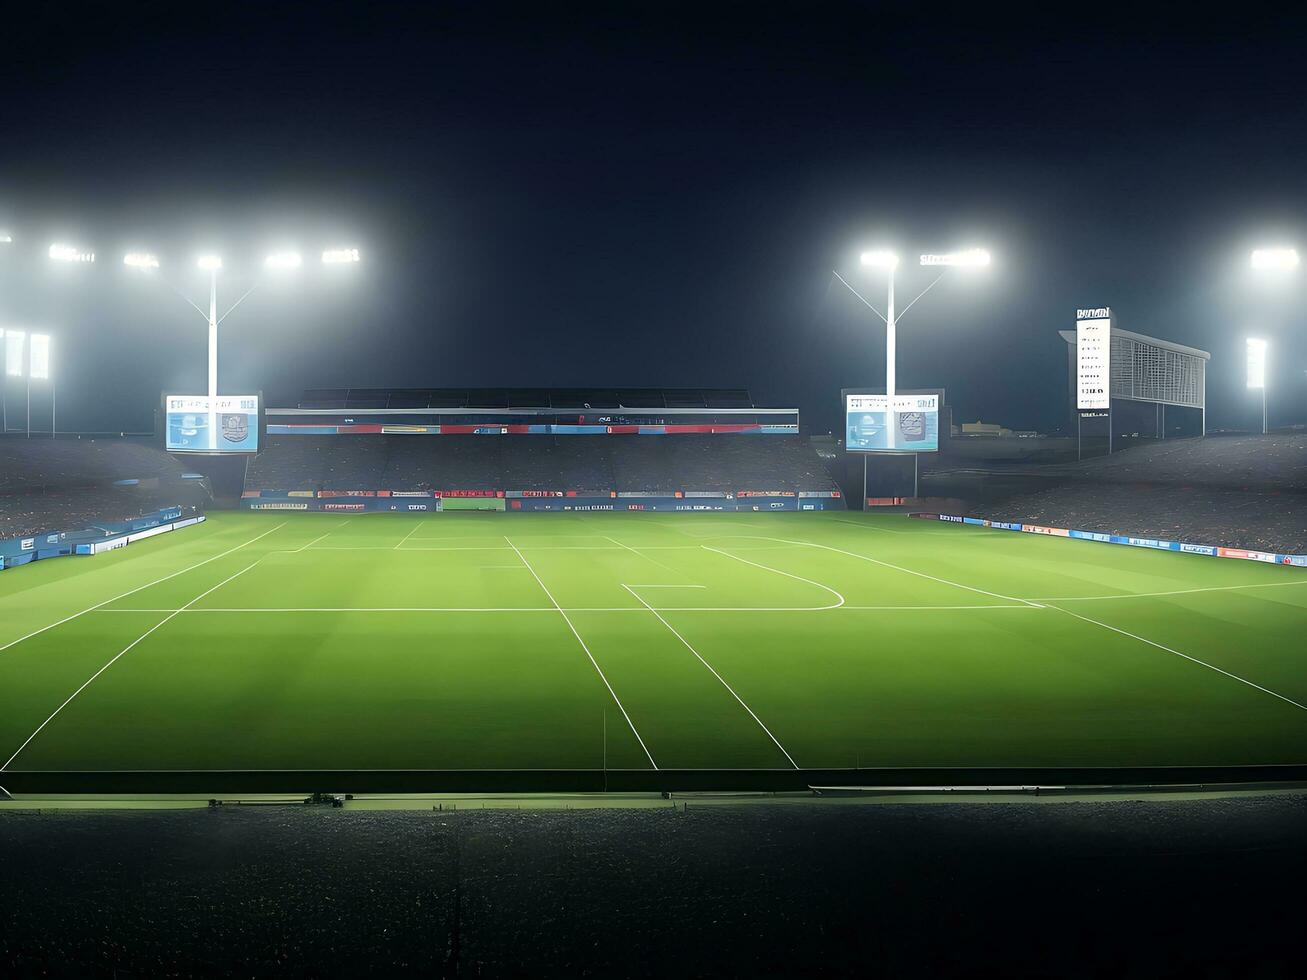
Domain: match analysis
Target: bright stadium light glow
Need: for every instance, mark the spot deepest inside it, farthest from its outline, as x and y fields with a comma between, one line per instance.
x=879, y=259
x=1274, y=259
x=39, y=357
x=283, y=260
x=209, y=263
x=14, y=344
x=1256, y=363
x=972, y=257
x=340, y=256
x=5, y=237
x=70, y=253
x=141, y=260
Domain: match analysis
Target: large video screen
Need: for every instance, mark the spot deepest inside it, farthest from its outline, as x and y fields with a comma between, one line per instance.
x=229, y=425
x=910, y=425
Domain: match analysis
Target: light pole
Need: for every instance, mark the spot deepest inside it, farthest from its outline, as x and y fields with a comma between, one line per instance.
x=889, y=261
x=1268, y=261
x=276, y=262
x=1257, y=371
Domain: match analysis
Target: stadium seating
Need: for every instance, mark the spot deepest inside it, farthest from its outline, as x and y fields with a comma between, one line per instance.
x=600, y=464
x=65, y=485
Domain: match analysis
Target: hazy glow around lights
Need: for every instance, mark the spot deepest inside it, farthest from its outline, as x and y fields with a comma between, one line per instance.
x=210, y=263
x=973, y=257
x=880, y=259
x=340, y=256
x=1275, y=258
x=283, y=260
x=69, y=253
x=141, y=260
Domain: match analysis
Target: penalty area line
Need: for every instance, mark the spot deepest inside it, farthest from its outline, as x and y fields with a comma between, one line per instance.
x=121, y=653
x=594, y=663
x=124, y=595
x=1185, y=656
x=712, y=670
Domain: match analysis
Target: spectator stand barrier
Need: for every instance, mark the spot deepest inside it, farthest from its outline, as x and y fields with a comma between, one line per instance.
x=106, y=536
x=1102, y=537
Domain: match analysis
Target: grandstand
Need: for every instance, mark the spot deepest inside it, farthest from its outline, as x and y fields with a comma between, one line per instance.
x=1238, y=491
x=49, y=485
x=587, y=445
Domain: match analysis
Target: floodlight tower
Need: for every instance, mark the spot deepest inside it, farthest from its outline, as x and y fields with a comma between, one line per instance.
x=889, y=261
x=1275, y=262
x=276, y=262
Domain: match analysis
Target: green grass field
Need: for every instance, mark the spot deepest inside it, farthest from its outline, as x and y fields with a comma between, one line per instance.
x=579, y=642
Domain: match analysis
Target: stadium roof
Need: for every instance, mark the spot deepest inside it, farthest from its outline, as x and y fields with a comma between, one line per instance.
x=357, y=399
x=1070, y=337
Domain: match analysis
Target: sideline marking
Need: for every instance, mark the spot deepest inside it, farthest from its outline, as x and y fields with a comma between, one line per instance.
x=645, y=557
x=124, y=595
x=119, y=656
x=306, y=547
x=1201, y=663
x=567, y=619
x=711, y=669
x=768, y=568
x=897, y=568
x=1151, y=595
x=571, y=609
x=410, y=533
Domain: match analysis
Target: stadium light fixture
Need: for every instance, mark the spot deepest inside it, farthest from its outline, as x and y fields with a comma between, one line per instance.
x=5, y=237
x=15, y=346
x=141, y=260
x=1274, y=259
x=209, y=263
x=280, y=261
x=879, y=259
x=340, y=256
x=971, y=258
x=889, y=261
x=1257, y=371
x=69, y=253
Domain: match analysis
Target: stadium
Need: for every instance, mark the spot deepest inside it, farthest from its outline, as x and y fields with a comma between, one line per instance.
x=682, y=489
x=606, y=590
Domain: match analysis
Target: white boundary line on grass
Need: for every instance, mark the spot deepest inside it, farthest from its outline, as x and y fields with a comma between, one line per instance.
x=899, y=568
x=1153, y=595
x=640, y=555
x=1201, y=663
x=594, y=663
x=631, y=589
x=570, y=609
x=119, y=656
x=798, y=578
x=306, y=547
x=124, y=595
x=410, y=533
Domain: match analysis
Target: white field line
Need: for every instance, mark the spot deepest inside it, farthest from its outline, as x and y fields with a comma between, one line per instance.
x=798, y=578
x=119, y=656
x=571, y=609
x=124, y=595
x=306, y=547
x=549, y=547
x=909, y=571
x=594, y=663
x=410, y=533
x=871, y=527
x=1195, y=660
x=1153, y=595
x=644, y=556
x=712, y=670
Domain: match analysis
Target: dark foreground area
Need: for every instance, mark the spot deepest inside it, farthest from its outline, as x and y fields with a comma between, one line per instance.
x=1209, y=888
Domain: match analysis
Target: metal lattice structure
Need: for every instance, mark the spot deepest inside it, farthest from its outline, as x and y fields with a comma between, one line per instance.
x=1149, y=370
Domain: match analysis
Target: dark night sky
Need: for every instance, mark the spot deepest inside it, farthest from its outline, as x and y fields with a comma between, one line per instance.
x=649, y=195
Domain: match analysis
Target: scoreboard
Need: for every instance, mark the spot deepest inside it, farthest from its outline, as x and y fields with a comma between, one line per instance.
x=909, y=425
x=198, y=424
